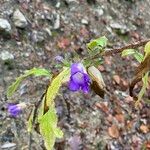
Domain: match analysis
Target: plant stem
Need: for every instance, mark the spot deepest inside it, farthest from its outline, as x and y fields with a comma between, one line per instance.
x=120, y=49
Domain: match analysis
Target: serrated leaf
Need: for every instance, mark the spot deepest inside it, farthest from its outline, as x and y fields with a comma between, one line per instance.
x=12, y=88
x=147, y=49
x=127, y=52
x=97, y=43
x=58, y=133
x=56, y=83
x=48, y=128
x=35, y=71
x=30, y=121
x=38, y=72
x=138, y=56
x=41, y=108
x=145, y=85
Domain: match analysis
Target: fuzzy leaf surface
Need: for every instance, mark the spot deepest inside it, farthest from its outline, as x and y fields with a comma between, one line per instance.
x=35, y=71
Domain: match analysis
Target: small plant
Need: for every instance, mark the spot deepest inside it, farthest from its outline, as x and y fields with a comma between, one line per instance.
x=80, y=75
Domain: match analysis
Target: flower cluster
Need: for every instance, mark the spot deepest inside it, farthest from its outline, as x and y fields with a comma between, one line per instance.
x=79, y=79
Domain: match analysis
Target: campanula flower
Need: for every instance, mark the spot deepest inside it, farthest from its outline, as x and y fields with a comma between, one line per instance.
x=15, y=109
x=79, y=79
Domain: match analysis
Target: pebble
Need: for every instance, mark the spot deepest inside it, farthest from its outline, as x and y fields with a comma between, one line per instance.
x=99, y=11
x=37, y=36
x=120, y=27
x=5, y=26
x=117, y=26
x=8, y=145
x=19, y=19
x=84, y=21
x=57, y=21
x=5, y=55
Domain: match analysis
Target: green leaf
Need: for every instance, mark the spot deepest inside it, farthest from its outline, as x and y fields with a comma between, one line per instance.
x=41, y=108
x=127, y=52
x=38, y=72
x=12, y=88
x=138, y=56
x=53, y=89
x=147, y=49
x=48, y=128
x=145, y=85
x=35, y=71
x=97, y=43
x=30, y=121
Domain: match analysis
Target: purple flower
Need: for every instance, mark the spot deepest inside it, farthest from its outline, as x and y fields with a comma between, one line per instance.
x=79, y=78
x=15, y=109
x=59, y=58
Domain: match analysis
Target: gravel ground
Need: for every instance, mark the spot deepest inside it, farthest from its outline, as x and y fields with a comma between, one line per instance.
x=33, y=32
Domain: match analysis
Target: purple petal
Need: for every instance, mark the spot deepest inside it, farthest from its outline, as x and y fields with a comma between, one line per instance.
x=77, y=67
x=13, y=110
x=78, y=78
x=86, y=78
x=73, y=86
x=85, y=88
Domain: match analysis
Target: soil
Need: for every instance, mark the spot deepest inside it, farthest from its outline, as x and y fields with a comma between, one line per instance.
x=63, y=27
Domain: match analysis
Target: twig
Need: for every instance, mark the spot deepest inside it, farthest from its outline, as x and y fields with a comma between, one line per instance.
x=120, y=49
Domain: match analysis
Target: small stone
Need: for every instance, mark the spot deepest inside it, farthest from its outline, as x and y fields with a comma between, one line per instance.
x=5, y=55
x=5, y=26
x=8, y=145
x=19, y=19
x=99, y=11
x=84, y=21
x=37, y=36
x=123, y=29
x=58, y=5
x=48, y=31
x=57, y=21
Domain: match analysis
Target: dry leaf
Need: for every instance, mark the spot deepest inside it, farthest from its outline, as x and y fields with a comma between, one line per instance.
x=108, y=60
x=129, y=125
x=124, y=84
x=101, y=68
x=113, y=131
x=103, y=107
x=117, y=79
x=144, y=128
x=98, y=84
x=120, y=118
x=148, y=144
x=63, y=43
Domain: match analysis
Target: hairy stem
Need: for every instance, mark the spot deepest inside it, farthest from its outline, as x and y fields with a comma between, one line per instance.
x=120, y=49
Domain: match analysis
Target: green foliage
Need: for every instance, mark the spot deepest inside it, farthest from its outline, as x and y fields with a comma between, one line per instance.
x=127, y=52
x=35, y=71
x=97, y=45
x=56, y=84
x=49, y=129
x=147, y=50
x=145, y=85
x=138, y=56
x=30, y=121
x=48, y=121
